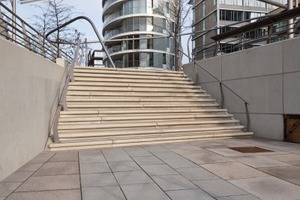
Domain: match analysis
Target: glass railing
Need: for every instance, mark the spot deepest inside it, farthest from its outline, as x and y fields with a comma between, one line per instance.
x=134, y=10
x=125, y=29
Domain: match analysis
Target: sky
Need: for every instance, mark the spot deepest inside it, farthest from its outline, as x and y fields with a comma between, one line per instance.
x=89, y=8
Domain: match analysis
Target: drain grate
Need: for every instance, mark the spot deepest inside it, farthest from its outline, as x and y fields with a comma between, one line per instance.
x=250, y=149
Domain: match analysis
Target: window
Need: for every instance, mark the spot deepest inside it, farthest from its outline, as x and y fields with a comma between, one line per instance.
x=164, y=59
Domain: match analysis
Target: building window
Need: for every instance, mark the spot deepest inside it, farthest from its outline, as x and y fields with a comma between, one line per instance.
x=164, y=59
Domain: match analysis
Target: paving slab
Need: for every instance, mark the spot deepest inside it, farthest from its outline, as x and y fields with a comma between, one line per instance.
x=94, y=168
x=7, y=188
x=288, y=173
x=196, y=173
x=65, y=157
x=239, y=197
x=219, y=188
x=203, y=158
x=233, y=170
x=30, y=167
x=192, y=194
x=105, y=193
x=148, y=160
x=269, y=188
x=59, y=182
x=156, y=170
x=173, y=182
x=292, y=159
x=58, y=168
x=47, y=195
x=260, y=161
x=98, y=180
x=167, y=155
x=40, y=159
x=148, y=191
x=138, y=152
x=155, y=148
x=18, y=177
x=225, y=152
x=116, y=155
x=132, y=177
x=91, y=156
x=124, y=166
x=179, y=163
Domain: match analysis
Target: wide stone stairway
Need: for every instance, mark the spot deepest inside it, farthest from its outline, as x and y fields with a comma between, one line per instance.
x=109, y=107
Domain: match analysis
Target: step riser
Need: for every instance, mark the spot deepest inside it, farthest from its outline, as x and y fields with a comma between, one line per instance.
x=132, y=73
x=140, y=133
x=132, y=85
x=165, y=141
x=121, y=76
x=128, y=81
x=136, y=120
x=149, y=127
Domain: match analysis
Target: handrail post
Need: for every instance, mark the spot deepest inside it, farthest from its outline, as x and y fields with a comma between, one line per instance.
x=247, y=116
x=222, y=95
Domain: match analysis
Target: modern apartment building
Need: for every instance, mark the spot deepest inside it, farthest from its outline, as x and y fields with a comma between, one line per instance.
x=212, y=14
x=138, y=32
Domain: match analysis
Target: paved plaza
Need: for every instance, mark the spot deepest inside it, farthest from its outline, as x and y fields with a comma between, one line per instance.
x=199, y=170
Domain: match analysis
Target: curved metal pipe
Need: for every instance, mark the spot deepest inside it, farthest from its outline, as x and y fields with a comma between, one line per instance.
x=95, y=29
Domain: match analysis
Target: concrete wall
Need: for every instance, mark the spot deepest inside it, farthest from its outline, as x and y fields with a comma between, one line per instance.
x=267, y=77
x=28, y=88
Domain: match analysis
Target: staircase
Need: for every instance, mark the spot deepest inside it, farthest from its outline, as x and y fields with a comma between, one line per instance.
x=108, y=107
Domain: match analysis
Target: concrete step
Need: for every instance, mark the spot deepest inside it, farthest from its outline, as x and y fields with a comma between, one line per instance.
x=106, y=94
x=129, y=72
x=125, y=76
x=139, y=106
x=133, y=70
x=130, y=113
x=137, y=99
x=132, y=85
x=145, y=132
x=130, y=101
x=146, y=118
x=132, y=89
x=130, y=141
x=138, y=81
x=63, y=128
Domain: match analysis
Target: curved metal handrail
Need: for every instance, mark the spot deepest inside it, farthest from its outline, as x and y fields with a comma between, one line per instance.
x=95, y=30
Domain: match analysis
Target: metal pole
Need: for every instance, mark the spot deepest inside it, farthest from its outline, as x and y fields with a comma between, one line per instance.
x=291, y=21
x=14, y=21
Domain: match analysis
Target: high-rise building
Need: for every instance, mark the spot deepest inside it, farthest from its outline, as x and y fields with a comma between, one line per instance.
x=213, y=14
x=138, y=33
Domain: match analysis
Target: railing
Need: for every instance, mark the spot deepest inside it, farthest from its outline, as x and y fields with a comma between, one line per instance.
x=69, y=77
x=24, y=35
x=95, y=30
x=264, y=30
x=221, y=85
x=69, y=71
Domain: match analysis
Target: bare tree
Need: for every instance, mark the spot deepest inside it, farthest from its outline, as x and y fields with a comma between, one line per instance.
x=53, y=14
x=176, y=13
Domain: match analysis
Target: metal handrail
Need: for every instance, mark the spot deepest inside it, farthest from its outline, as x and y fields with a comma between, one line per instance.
x=95, y=30
x=233, y=92
x=62, y=97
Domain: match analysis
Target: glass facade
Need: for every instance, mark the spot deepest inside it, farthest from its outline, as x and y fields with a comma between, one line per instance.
x=138, y=33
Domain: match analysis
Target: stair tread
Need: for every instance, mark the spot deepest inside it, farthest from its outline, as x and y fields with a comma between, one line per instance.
x=66, y=119
x=149, y=138
x=154, y=70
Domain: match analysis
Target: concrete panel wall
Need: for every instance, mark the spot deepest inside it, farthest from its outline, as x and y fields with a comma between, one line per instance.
x=28, y=89
x=267, y=77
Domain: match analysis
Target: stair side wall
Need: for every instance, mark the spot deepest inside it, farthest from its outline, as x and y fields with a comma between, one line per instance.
x=268, y=77
x=28, y=87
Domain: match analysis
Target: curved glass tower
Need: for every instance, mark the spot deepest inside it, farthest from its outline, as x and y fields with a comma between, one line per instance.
x=138, y=33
